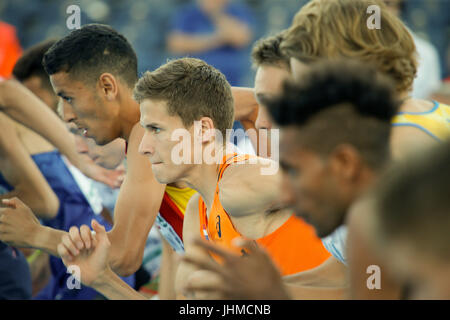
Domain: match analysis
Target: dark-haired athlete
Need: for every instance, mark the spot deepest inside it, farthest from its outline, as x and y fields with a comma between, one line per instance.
x=69, y=207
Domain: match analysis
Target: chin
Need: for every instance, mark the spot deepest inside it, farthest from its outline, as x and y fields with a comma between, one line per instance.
x=161, y=177
x=101, y=141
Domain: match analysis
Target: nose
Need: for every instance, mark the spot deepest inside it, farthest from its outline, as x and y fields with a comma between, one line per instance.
x=263, y=120
x=66, y=111
x=146, y=147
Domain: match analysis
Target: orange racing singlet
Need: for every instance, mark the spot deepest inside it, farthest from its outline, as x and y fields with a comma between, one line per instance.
x=294, y=246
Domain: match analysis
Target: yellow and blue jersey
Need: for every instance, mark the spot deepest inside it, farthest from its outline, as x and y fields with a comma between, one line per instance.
x=435, y=122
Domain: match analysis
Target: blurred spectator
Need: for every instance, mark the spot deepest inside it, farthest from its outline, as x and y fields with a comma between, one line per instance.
x=429, y=70
x=216, y=31
x=10, y=49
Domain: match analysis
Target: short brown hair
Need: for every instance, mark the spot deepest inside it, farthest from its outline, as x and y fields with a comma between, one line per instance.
x=267, y=51
x=192, y=89
x=338, y=28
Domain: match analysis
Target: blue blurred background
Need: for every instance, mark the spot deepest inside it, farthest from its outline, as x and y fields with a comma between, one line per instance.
x=146, y=23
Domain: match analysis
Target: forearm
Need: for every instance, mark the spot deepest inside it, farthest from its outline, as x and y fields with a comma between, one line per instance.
x=47, y=239
x=44, y=207
x=245, y=104
x=239, y=32
x=23, y=106
x=166, y=290
x=133, y=218
x=127, y=249
x=179, y=43
x=112, y=287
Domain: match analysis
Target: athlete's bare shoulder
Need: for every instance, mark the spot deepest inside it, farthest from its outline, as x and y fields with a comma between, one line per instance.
x=416, y=105
x=246, y=189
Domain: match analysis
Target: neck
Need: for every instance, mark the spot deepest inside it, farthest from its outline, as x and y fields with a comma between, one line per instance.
x=203, y=177
x=403, y=96
x=129, y=113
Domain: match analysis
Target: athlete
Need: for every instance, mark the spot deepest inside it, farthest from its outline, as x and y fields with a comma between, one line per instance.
x=96, y=85
x=68, y=204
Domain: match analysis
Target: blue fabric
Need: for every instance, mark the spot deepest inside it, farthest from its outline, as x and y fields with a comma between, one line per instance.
x=15, y=277
x=74, y=210
x=232, y=62
x=335, y=243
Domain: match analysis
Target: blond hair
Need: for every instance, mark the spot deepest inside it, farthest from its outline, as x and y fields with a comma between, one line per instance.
x=338, y=28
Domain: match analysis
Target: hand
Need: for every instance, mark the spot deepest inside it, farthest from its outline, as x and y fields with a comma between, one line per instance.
x=251, y=277
x=18, y=224
x=87, y=251
x=112, y=178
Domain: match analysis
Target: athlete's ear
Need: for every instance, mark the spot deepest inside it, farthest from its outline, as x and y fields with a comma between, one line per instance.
x=345, y=162
x=108, y=86
x=208, y=130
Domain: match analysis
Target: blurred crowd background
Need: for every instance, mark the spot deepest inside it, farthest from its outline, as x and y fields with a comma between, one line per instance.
x=147, y=23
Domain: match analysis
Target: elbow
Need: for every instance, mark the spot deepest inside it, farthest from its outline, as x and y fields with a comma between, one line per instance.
x=50, y=207
x=49, y=204
x=43, y=202
x=8, y=89
x=126, y=264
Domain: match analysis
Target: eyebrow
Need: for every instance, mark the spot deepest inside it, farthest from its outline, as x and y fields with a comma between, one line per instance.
x=61, y=94
x=149, y=125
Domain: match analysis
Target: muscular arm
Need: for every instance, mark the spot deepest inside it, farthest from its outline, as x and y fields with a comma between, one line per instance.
x=168, y=269
x=23, y=106
x=137, y=205
x=21, y=172
x=245, y=104
x=191, y=227
x=245, y=191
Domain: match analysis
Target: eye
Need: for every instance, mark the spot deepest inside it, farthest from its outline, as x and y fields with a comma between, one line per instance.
x=289, y=170
x=68, y=99
x=155, y=129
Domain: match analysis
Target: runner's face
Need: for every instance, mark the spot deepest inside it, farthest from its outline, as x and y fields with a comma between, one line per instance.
x=157, y=143
x=86, y=107
x=309, y=185
x=268, y=84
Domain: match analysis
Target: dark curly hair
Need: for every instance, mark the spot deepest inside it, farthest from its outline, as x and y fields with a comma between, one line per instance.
x=339, y=102
x=88, y=52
